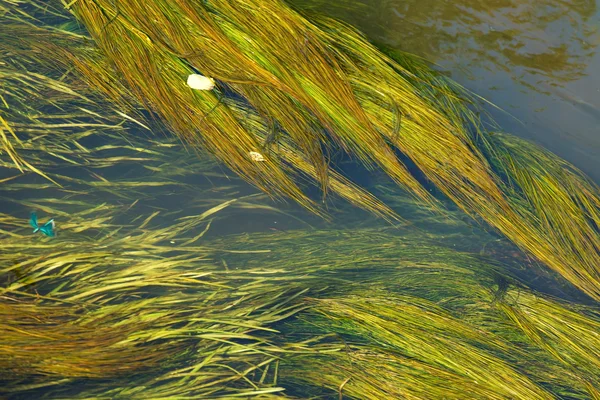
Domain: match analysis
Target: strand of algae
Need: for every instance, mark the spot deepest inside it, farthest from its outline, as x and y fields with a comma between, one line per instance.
x=403, y=301
x=141, y=290
x=105, y=300
x=136, y=267
x=581, y=243
x=320, y=84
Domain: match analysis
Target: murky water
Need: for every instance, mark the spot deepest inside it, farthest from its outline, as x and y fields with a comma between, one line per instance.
x=537, y=60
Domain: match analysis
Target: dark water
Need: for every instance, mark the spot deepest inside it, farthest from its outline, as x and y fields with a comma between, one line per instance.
x=539, y=61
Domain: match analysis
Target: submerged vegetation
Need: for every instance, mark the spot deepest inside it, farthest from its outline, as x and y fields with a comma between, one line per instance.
x=298, y=89
x=145, y=293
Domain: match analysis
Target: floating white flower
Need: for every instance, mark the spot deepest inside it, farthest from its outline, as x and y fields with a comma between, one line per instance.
x=256, y=156
x=200, y=82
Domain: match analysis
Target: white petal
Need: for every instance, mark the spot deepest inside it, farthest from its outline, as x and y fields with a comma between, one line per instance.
x=200, y=82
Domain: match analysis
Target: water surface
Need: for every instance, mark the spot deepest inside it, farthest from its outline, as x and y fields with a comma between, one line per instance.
x=537, y=60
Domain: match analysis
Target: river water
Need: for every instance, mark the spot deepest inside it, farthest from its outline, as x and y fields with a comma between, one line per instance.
x=539, y=61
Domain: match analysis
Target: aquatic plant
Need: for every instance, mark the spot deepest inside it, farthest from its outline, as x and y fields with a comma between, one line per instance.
x=138, y=299
x=315, y=86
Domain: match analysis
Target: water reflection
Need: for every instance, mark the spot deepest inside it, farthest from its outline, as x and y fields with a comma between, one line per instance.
x=547, y=39
x=538, y=60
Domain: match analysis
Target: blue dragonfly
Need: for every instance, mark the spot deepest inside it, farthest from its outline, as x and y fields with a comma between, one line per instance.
x=47, y=229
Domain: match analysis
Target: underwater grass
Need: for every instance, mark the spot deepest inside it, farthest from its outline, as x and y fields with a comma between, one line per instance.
x=401, y=324
x=103, y=300
x=207, y=328
x=561, y=329
x=135, y=299
x=96, y=296
x=316, y=86
x=196, y=317
x=428, y=300
x=426, y=293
